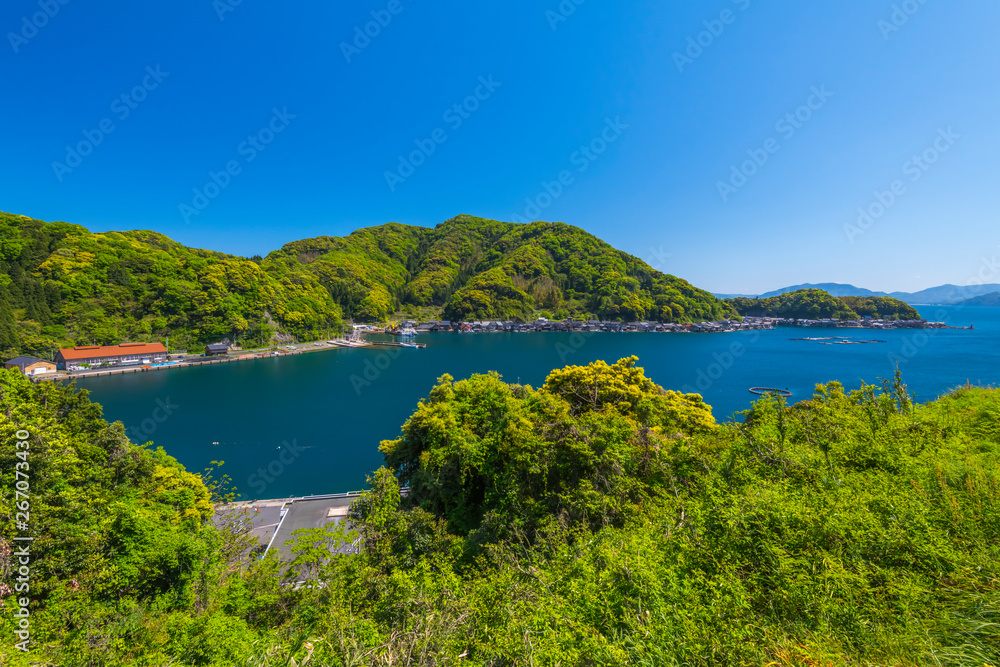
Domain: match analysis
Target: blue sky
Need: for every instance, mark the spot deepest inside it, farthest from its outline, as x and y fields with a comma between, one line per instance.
x=643, y=109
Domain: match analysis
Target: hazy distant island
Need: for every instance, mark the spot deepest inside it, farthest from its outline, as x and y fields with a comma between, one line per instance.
x=940, y=295
x=992, y=300
x=815, y=304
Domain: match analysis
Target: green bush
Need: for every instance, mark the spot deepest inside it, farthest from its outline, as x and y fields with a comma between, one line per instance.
x=597, y=520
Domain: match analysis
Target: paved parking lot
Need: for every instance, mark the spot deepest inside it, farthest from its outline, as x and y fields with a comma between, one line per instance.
x=310, y=513
x=286, y=515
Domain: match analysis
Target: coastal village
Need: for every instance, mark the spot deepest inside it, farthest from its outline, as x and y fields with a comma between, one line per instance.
x=138, y=357
x=747, y=324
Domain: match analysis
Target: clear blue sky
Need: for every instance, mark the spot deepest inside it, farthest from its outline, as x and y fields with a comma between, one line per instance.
x=556, y=85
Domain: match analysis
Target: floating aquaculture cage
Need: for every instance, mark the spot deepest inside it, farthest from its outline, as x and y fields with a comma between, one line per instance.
x=765, y=391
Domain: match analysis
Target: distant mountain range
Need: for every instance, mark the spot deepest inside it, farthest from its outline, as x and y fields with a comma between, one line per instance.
x=992, y=299
x=941, y=295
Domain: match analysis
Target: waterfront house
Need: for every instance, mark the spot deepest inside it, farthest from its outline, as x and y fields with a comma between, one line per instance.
x=31, y=365
x=126, y=354
x=216, y=350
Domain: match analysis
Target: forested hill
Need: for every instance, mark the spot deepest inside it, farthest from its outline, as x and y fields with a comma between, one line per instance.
x=475, y=268
x=814, y=304
x=596, y=520
x=63, y=285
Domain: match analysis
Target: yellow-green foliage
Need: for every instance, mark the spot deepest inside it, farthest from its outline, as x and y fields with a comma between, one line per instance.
x=599, y=520
x=61, y=285
x=364, y=272
x=624, y=389
x=489, y=458
x=815, y=304
x=68, y=286
x=475, y=268
x=115, y=526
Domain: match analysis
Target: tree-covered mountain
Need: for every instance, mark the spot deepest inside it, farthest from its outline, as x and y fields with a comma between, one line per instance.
x=61, y=285
x=814, y=304
x=596, y=520
x=473, y=268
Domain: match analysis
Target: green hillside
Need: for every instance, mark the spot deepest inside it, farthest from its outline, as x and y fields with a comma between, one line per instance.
x=597, y=520
x=474, y=268
x=61, y=285
x=815, y=304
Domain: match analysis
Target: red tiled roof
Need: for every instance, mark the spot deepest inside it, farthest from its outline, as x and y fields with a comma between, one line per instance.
x=96, y=351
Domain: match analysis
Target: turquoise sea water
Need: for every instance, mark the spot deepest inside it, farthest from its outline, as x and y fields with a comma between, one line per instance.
x=312, y=423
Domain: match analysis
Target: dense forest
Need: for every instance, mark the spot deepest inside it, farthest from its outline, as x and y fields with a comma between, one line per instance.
x=596, y=520
x=61, y=285
x=477, y=269
x=814, y=304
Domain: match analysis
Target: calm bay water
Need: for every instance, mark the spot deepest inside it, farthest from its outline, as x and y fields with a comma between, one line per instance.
x=312, y=423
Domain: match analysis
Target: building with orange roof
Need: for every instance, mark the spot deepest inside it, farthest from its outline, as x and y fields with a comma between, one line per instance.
x=126, y=354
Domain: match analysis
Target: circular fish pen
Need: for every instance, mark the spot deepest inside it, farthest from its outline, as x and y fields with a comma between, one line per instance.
x=765, y=391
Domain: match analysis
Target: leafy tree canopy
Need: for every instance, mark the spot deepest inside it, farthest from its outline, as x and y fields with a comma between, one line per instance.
x=597, y=520
x=815, y=304
x=477, y=269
